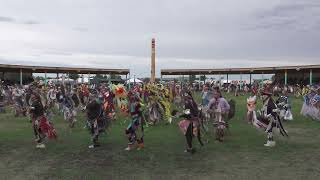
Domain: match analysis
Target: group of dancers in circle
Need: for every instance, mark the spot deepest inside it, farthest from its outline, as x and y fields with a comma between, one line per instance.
x=148, y=105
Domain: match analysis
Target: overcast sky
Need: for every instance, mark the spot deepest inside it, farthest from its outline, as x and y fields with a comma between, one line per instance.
x=189, y=33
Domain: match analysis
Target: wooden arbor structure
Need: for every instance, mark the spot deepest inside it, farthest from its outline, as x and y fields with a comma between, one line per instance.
x=4, y=68
x=305, y=69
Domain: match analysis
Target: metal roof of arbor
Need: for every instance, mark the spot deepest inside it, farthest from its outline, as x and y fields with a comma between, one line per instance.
x=49, y=69
x=253, y=70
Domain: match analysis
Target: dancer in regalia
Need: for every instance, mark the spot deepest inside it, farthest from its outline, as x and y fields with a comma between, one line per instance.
x=69, y=112
x=190, y=124
x=284, y=106
x=164, y=100
x=251, y=109
x=269, y=118
x=51, y=102
x=120, y=96
x=108, y=102
x=311, y=105
x=19, y=106
x=135, y=131
x=97, y=120
x=41, y=126
x=205, y=96
x=2, y=98
x=220, y=107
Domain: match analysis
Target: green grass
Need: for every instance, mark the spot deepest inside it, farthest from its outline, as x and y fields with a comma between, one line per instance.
x=241, y=156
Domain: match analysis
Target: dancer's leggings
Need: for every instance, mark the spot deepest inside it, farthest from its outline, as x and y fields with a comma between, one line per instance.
x=269, y=131
x=189, y=136
x=95, y=133
x=37, y=133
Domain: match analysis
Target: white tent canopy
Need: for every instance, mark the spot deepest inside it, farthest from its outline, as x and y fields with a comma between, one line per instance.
x=132, y=80
x=85, y=80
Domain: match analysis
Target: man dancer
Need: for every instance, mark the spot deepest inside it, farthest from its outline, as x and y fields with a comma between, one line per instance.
x=97, y=121
x=135, y=131
x=41, y=126
x=190, y=125
x=269, y=111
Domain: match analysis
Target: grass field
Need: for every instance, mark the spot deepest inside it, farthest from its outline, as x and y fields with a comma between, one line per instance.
x=241, y=156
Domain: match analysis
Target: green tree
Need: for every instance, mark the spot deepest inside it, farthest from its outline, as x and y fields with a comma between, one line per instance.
x=202, y=78
x=115, y=76
x=38, y=78
x=74, y=76
x=99, y=76
x=192, y=78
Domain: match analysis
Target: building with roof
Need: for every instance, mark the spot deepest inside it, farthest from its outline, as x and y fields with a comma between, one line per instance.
x=304, y=74
x=23, y=72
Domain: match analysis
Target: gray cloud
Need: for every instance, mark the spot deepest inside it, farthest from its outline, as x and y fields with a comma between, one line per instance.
x=30, y=22
x=81, y=29
x=290, y=9
x=13, y=20
x=296, y=15
x=6, y=19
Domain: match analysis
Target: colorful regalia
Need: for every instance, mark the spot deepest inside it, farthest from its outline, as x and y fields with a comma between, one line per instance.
x=205, y=96
x=135, y=131
x=190, y=124
x=269, y=119
x=220, y=108
x=285, y=108
x=97, y=120
x=84, y=94
x=177, y=96
x=51, y=102
x=19, y=105
x=108, y=104
x=69, y=112
x=51, y=97
x=251, y=109
x=41, y=126
x=311, y=105
x=164, y=100
x=121, y=97
x=2, y=104
x=155, y=110
x=252, y=114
